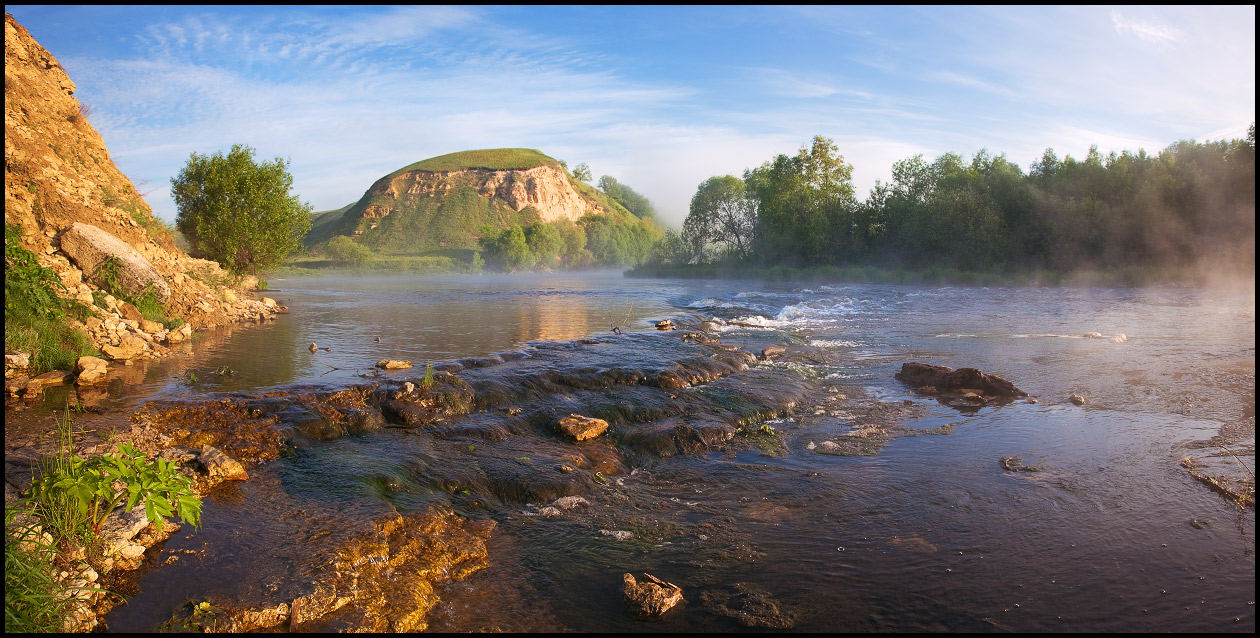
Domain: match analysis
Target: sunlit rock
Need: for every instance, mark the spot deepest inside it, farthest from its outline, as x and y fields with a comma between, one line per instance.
x=581, y=427
x=651, y=598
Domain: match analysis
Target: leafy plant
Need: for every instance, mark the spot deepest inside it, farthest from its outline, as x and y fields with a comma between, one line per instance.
x=427, y=381
x=79, y=493
x=25, y=281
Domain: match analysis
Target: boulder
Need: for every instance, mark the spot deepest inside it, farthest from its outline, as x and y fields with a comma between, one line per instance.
x=129, y=348
x=581, y=427
x=89, y=247
x=151, y=327
x=651, y=598
x=945, y=380
x=89, y=370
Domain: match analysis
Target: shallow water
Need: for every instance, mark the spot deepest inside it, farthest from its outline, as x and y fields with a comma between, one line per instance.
x=931, y=534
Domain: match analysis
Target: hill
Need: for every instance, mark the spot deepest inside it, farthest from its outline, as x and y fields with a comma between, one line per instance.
x=76, y=215
x=444, y=202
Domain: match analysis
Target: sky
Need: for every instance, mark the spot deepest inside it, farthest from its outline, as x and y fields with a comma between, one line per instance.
x=660, y=98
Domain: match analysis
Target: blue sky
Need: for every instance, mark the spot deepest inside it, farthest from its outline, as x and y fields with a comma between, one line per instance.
x=660, y=98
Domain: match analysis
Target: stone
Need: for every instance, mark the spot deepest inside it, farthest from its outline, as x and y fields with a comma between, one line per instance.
x=391, y=364
x=651, y=598
x=946, y=379
x=89, y=370
x=129, y=347
x=1078, y=399
x=129, y=312
x=218, y=464
x=773, y=351
x=1119, y=338
x=19, y=360
x=581, y=427
x=89, y=247
x=178, y=335
x=151, y=327
x=665, y=325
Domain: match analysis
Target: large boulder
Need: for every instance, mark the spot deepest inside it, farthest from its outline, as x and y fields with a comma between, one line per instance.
x=90, y=247
x=946, y=379
x=89, y=370
x=130, y=347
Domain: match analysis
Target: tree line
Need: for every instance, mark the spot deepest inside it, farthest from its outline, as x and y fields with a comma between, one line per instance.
x=1191, y=203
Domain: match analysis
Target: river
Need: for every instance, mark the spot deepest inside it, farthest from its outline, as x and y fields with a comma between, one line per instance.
x=1106, y=532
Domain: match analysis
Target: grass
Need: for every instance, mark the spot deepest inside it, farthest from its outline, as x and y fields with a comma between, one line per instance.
x=33, y=600
x=496, y=159
x=35, y=317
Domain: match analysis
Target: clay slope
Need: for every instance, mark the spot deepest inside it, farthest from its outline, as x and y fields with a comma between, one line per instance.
x=58, y=176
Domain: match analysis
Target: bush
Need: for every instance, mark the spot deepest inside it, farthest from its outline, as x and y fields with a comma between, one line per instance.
x=238, y=212
x=346, y=250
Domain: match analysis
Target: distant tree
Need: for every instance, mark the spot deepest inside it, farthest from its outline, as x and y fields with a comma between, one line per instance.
x=582, y=172
x=238, y=212
x=805, y=204
x=627, y=197
x=346, y=250
x=722, y=214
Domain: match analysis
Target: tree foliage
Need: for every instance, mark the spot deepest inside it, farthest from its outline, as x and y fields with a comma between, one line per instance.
x=239, y=212
x=346, y=250
x=582, y=172
x=627, y=197
x=722, y=215
x=1191, y=204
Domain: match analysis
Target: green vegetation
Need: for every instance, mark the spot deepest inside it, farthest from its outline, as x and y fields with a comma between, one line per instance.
x=627, y=197
x=345, y=250
x=1126, y=217
x=33, y=600
x=70, y=499
x=495, y=159
x=238, y=212
x=35, y=316
x=148, y=302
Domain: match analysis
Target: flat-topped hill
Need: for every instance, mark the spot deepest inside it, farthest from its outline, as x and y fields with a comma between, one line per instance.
x=445, y=202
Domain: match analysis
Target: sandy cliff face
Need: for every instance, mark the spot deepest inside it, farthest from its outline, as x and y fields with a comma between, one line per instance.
x=57, y=172
x=546, y=188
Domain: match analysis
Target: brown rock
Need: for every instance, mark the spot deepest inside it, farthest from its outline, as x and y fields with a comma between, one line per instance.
x=151, y=327
x=218, y=464
x=129, y=348
x=581, y=427
x=946, y=379
x=391, y=364
x=651, y=598
x=90, y=370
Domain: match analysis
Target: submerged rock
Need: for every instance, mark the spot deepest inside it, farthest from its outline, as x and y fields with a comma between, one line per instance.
x=751, y=605
x=651, y=598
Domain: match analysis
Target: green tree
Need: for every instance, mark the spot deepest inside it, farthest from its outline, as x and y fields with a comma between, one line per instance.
x=582, y=172
x=632, y=201
x=722, y=214
x=346, y=250
x=238, y=212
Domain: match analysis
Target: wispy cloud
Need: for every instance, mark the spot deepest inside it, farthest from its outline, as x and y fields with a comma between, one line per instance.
x=1156, y=33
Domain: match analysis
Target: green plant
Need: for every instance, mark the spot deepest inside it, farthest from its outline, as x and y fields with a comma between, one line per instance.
x=239, y=212
x=427, y=381
x=25, y=281
x=77, y=494
x=33, y=599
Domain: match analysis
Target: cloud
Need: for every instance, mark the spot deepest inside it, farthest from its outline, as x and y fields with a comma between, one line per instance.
x=1155, y=33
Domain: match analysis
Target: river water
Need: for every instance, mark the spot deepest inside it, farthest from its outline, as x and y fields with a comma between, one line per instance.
x=931, y=533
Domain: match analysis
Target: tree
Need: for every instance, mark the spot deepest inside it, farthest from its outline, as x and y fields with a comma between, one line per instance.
x=346, y=250
x=238, y=212
x=722, y=214
x=582, y=172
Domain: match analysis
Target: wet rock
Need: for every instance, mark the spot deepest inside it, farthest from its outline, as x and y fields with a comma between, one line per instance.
x=1119, y=338
x=1092, y=335
x=220, y=465
x=665, y=325
x=14, y=362
x=651, y=598
x=946, y=379
x=392, y=364
x=581, y=427
x=618, y=534
x=89, y=370
x=773, y=351
x=751, y=605
x=1078, y=399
